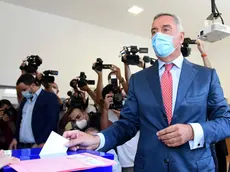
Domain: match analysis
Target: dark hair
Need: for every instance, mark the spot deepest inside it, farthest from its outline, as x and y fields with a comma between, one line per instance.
x=107, y=89
x=27, y=79
x=5, y=102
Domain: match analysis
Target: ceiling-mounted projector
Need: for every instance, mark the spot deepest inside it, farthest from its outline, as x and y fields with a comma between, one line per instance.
x=214, y=31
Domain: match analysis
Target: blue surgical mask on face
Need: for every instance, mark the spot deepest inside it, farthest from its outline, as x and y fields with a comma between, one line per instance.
x=163, y=45
x=27, y=94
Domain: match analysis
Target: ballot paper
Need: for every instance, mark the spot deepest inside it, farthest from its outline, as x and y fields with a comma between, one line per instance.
x=55, y=144
x=62, y=164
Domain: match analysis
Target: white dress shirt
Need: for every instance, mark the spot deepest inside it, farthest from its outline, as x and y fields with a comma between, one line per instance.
x=198, y=140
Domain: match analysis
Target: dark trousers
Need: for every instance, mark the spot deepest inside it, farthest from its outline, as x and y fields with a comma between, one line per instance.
x=221, y=152
x=25, y=145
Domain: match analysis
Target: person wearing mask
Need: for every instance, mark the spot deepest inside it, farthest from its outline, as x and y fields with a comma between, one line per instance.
x=38, y=114
x=79, y=119
x=178, y=106
x=77, y=116
x=8, y=115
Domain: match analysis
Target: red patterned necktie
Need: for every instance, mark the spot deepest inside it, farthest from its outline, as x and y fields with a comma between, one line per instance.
x=167, y=90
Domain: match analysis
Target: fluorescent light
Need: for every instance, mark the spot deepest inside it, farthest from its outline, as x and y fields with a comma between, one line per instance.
x=135, y=10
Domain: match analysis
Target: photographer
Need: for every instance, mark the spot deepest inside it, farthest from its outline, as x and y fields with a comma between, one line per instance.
x=127, y=151
x=127, y=67
x=49, y=84
x=77, y=117
x=82, y=84
x=8, y=115
x=30, y=65
x=116, y=70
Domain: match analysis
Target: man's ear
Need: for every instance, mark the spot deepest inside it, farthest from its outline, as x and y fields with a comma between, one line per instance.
x=182, y=37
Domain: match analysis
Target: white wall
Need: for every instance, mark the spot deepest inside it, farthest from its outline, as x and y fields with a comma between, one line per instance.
x=65, y=45
x=71, y=46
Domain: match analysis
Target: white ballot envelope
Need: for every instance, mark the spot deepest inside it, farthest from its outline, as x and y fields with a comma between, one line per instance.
x=55, y=144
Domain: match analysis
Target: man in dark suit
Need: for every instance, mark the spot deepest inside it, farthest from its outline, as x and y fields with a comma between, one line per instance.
x=178, y=107
x=38, y=114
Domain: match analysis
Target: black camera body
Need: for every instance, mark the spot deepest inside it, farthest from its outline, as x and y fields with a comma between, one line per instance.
x=47, y=78
x=32, y=64
x=76, y=100
x=131, y=54
x=148, y=59
x=185, y=49
x=81, y=81
x=99, y=65
x=117, y=99
x=10, y=112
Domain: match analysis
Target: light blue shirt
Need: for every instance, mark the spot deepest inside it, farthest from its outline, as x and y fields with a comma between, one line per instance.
x=198, y=140
x=26, y=133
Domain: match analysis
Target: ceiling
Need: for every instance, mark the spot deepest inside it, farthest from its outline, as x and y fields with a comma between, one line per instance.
x=113, y=14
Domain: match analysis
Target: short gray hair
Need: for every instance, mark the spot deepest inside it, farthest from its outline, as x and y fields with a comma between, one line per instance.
x=176, y=19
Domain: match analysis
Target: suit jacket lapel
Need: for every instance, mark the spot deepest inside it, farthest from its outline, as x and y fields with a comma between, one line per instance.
x=154, y=83
x=37, y=103
x=188, y=73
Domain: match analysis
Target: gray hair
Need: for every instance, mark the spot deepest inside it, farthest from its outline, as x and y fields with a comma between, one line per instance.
x=176, y=19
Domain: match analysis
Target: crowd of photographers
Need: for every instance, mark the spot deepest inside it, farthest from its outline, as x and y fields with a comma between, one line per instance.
x=41, y=110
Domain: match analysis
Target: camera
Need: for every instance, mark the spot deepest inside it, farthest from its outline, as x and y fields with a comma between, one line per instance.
x=81, y=81
x=31, y=64
x=185, y=49
x=117, y=99
x=76, y=100
x=148, y=59
x=46, y=79
x=99, y=65
x=10, y=112
x=131, y=54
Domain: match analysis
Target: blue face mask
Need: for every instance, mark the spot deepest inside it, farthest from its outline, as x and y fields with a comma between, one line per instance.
x=163, y=45
x=27, y=94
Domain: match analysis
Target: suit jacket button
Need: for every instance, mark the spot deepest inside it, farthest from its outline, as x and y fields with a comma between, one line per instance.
x=166, y=160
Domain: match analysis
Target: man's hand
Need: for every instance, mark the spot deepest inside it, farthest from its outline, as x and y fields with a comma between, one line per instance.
x=84, y=88
x=7, y=160
x=176, y=135
x=141, y=63
x=200, y=46
x=97, y=71
x=81, y=140
x=1, y=113
x=117, y=112
x=13, y=144
x=6, y=118
x=108, y=101
x=117, y=72
x=38, y=146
